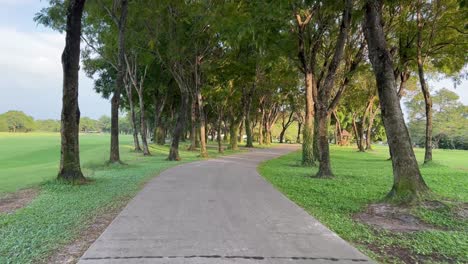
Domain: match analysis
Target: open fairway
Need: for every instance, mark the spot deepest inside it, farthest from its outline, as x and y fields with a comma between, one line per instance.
x=27, y=159
x=365, y=178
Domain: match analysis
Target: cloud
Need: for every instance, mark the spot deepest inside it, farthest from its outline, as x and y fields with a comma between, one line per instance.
x=32, y=75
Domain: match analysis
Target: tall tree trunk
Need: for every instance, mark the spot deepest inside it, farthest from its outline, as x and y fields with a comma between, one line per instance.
x=220, y=129
x=260, y=127
x=158, y=129
x=240, y=137
x=308, y=130
x=248, y=124
x=425, y=89
x=299, y=127
x=358, y=129
x=337, y=128
x=248, y=132
x=408, y=184
x=324, y=94
x=136, y=142
x=322, y=143
x=115, y=102
x=233, y=129
x=129, y=89
x=201, y=114
x=180, y=125
x=70, y=168
x=193, y=123
x=369, y=128
x=143, y=128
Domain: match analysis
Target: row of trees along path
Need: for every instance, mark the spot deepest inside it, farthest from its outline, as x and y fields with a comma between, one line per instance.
x=222, y=68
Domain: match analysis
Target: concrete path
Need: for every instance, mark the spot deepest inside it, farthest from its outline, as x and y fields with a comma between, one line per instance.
x=214, y=212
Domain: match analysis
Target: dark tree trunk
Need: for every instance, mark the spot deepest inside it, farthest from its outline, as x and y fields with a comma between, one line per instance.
x=158, y=129
x=193, y=131
x=180, y=126
x=119, y=84
x=70, y=168
x=233, y=129
x=285, y=125
x=408, y=185
x=299, y=127
x=324, y=95
x=260, y=127
x=248, y=121
x=357, y=127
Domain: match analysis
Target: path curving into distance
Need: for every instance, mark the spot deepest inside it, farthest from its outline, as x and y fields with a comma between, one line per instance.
x=215, y=212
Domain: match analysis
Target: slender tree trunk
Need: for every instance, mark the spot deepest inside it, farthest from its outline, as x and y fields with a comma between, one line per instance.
x=425, y=90
x=119, y=84
x=369, y=129
x=299, y=127
x=158, y=109
x=248, y=132
x=241, y=131
x=220, y=129
x=144, y=135
x=260, y=128
x=308, y=130
x=70, y=168
x=193, y=131
x=248, y=125
x=180, y=126
x=408, y=185
x=201, y=114
x=338, y=128
x=233, y=129
x=136, y=142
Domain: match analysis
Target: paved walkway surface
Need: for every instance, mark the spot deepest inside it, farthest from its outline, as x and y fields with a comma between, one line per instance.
x=214, y=212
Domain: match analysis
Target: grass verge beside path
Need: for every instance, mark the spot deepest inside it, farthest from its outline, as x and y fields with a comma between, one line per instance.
x=61, y=212
x=365, y=178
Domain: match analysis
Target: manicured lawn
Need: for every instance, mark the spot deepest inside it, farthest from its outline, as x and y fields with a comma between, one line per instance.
x=364, y=178
x=61, y=211
x=27, y=159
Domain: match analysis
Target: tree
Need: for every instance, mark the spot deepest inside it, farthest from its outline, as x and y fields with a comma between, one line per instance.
x=449, y=116
x=120, y=22
x=408, y=184
x=17, y=121
x=70, y=168
x=104, y=124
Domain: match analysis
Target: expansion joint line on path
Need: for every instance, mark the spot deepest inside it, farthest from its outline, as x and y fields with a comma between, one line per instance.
x=229, y=257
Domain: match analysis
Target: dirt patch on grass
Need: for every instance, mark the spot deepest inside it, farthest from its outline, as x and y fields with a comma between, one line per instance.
x=72, y=252
x=17, y=200
x=462, y=211
x=393, y=254
x=392, y=218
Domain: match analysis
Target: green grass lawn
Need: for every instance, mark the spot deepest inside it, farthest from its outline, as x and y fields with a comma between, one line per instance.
x=61, y=211
x=364, y=178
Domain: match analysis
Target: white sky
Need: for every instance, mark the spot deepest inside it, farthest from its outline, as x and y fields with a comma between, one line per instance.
x=31, y=73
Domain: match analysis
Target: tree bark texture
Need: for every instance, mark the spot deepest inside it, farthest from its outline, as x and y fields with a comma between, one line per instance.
x=70, y=168
x=408, y=184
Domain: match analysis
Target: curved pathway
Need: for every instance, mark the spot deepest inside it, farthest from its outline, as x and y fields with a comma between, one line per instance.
x=214, y=212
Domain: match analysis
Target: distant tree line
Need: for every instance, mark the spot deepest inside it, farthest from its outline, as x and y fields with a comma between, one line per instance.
x=18, y=121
